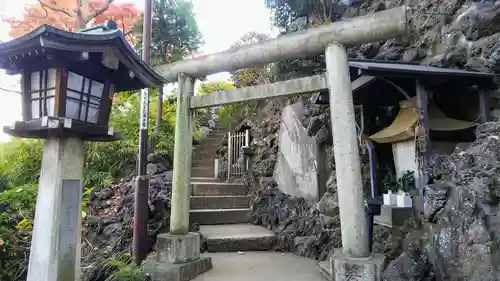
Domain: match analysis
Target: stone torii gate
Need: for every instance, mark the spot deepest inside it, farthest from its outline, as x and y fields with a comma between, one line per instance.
x=355, y=261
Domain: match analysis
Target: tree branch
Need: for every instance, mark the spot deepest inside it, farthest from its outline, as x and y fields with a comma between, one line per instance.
x=37, y=16
x=99, y=11
x=55, y=9
x=10, y=90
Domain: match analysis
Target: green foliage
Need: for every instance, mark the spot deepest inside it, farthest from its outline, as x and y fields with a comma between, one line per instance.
x=287, y=14
x=295, y=15
x=227, y=114
x=17, y=207
x=255, y=75
x=85, y=198
x=230, y=114
x=210, y=87
x=175, y=32
x=20, y=162
x=407, y=181
x=124, y=269
x=106, y=161
x=404, y=184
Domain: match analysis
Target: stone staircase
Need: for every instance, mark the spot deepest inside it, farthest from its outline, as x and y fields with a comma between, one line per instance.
x=221, y=207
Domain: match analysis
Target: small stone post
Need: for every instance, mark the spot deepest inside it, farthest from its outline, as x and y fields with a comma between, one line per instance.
x=179, y=217
x=354, y=262
x=56, y=241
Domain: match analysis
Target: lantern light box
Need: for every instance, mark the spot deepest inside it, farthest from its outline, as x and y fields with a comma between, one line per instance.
x=68, y=80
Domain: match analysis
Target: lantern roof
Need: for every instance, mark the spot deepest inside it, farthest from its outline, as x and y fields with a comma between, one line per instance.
x=99, y=53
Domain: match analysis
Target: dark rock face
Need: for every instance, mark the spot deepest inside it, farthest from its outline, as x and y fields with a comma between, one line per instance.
x=109, y=223
x=480, y=20
x=454, y=34
x=409, y=266
x=460, y=234
x=301, y=228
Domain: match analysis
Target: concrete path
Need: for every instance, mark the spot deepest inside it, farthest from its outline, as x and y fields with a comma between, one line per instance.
x=251, y=266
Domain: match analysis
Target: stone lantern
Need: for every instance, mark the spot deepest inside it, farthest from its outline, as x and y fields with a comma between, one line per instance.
x=67, y=84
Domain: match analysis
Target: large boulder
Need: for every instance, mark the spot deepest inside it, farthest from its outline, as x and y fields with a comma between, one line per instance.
x=300, y=227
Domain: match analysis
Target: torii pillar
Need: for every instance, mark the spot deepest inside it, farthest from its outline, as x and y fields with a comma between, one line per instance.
x=354, y=261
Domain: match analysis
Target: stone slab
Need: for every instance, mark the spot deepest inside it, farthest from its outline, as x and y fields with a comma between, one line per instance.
x=357, y=269
x=164, y=271
x=296, y=167
x=391, y=216
x=237, y=237
x=177, y=249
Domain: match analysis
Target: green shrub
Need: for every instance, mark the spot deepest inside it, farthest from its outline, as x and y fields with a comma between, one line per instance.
x=124, y=269
x=230, y=114
x=16, y=223
x=20, y=161
x=405, y=183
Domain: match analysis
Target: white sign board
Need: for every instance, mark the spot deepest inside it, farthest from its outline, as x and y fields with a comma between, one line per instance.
x=144, y=109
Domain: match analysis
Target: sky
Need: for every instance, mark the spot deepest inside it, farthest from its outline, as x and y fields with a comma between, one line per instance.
x=221, y=22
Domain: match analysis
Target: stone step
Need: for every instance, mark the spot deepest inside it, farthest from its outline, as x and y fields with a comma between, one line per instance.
x=217, y=132
x=219, y=202
x=237, y=237
x=203, y=162
x=220, y=216
x=216, y=136
x=218, y=188
x=202, y=172
x=326, y=269
x=207, y=144
x=213, y=180
x=204, y=155
x=205, y=148
x=205, y=180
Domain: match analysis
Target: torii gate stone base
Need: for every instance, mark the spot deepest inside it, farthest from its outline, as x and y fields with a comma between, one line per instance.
x=354, y=261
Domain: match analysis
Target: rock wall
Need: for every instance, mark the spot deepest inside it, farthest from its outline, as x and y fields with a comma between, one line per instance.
x=296, y=170
x=107, y=229
x=460, y=230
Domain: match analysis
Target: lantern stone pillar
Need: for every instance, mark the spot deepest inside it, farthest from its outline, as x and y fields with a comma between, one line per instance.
x=354, y=261
x=55, y=245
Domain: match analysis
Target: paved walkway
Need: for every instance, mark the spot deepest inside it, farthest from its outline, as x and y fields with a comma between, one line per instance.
x=251, y=266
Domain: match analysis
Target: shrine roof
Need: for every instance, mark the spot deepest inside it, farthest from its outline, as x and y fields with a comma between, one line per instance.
x=82, y=52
